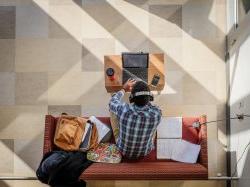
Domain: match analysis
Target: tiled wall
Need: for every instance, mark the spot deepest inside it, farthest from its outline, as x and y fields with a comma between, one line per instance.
x=51, y=61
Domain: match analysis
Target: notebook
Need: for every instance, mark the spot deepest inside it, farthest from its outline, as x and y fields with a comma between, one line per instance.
x=84, y=146
x=102, y=128
x=170, y=127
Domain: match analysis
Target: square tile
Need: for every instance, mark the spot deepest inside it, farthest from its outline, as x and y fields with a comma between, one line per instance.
x=172, y=94
x=101, y=111
x=6, y=157
x=31, y=22
x=69, y=18
x=19, y=122
x=85, y=88
x=57, y=110
x=64, y=54
x=199, y=88
x=172, y=48
x=203, y=56
x=7, y=91
x=7, y=55
x=165, y=20
x=65, y=2
x=204, y=15
x=32, y=55
x=7, y=22
x=93, y=52
x=28, y=154
x=31, y=88
x=131, y=38
x=56, y=30
x=14, y=2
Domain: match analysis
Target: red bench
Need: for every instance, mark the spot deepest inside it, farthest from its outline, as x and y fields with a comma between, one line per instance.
x=148, y=168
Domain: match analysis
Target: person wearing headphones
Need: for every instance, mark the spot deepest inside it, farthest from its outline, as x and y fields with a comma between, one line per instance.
x=134, y=125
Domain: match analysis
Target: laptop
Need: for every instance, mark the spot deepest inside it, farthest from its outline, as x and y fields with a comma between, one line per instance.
x=135, y=66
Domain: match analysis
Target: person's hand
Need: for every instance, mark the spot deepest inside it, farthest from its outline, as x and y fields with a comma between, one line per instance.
x=129, y=85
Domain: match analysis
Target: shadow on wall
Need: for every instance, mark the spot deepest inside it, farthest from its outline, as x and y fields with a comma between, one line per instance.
x=200, y=9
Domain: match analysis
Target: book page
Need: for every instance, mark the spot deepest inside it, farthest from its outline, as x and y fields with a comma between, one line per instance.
x=186, y=152
x=165, y=148
x=85, y=131
x=102, y=129
x=170, y=127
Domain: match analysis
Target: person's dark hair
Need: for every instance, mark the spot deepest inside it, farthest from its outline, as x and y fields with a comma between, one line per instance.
x=143, y=99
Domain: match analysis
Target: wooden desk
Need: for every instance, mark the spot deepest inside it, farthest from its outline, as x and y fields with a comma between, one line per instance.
x=156, y=66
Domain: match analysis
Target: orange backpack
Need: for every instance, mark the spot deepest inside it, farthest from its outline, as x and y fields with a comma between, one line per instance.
x=69, y=132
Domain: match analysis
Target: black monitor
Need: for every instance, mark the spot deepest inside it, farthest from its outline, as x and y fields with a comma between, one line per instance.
x=135, y=60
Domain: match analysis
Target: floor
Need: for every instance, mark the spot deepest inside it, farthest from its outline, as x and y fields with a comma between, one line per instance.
x=51, y=61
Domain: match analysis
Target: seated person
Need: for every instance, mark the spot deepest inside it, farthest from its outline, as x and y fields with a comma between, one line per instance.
x=134, y=125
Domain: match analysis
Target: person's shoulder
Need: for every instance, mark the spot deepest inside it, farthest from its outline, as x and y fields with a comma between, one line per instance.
x=155, y=108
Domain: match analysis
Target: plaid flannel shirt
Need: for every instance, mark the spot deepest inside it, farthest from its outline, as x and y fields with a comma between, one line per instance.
x=137, y=126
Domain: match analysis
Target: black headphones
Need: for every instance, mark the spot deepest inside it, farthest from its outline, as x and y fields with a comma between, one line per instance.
x=146, y=93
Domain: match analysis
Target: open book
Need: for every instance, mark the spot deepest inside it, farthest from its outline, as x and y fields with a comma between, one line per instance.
x=169, y=142
x=102, y=128
x=177, y=149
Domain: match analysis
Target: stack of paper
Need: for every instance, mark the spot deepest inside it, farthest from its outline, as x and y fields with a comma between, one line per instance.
x=171, y=146
x=170, y=127
x=102, y=128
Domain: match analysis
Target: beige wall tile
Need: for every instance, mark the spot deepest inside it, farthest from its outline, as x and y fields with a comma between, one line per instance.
x=172, y=49
x=31, y=22
x=204, y=14
x=165, y=20
x=172, y=94
x=199, y=87
x=203, y=54
x=93, y=52
x=31, y=88
x=64, y=54
x=56, y=30
x=74, y=88
x=7, y=91
x=7, y=55
x=6, y=157
x=28, y=154
x=7, y=22
x=20, y=122
x=100, y=111
x=28, y=184
x=14, y=2
x=57, y=110
x=32, y=55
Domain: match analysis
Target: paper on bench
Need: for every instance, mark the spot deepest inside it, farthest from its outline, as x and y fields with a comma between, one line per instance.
x=102, y=128
x=165, y=148
x=186, y=152
x=170, y=127
x=85, y=131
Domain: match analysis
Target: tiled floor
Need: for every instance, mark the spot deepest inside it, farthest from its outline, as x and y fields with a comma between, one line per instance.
x=51, y=61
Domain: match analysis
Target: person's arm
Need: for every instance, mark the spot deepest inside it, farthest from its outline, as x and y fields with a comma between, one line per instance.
x=116, y=104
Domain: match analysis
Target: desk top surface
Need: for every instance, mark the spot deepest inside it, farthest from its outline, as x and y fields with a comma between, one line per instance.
x=156, y=67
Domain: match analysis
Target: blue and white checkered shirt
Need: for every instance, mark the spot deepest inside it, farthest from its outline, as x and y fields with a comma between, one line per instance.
x=137, y=126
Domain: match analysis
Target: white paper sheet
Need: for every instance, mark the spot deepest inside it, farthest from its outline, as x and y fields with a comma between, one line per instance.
x=165, y=147
x=186, y=152
x=102, y=129
x=85, y=131
x=170, y=127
